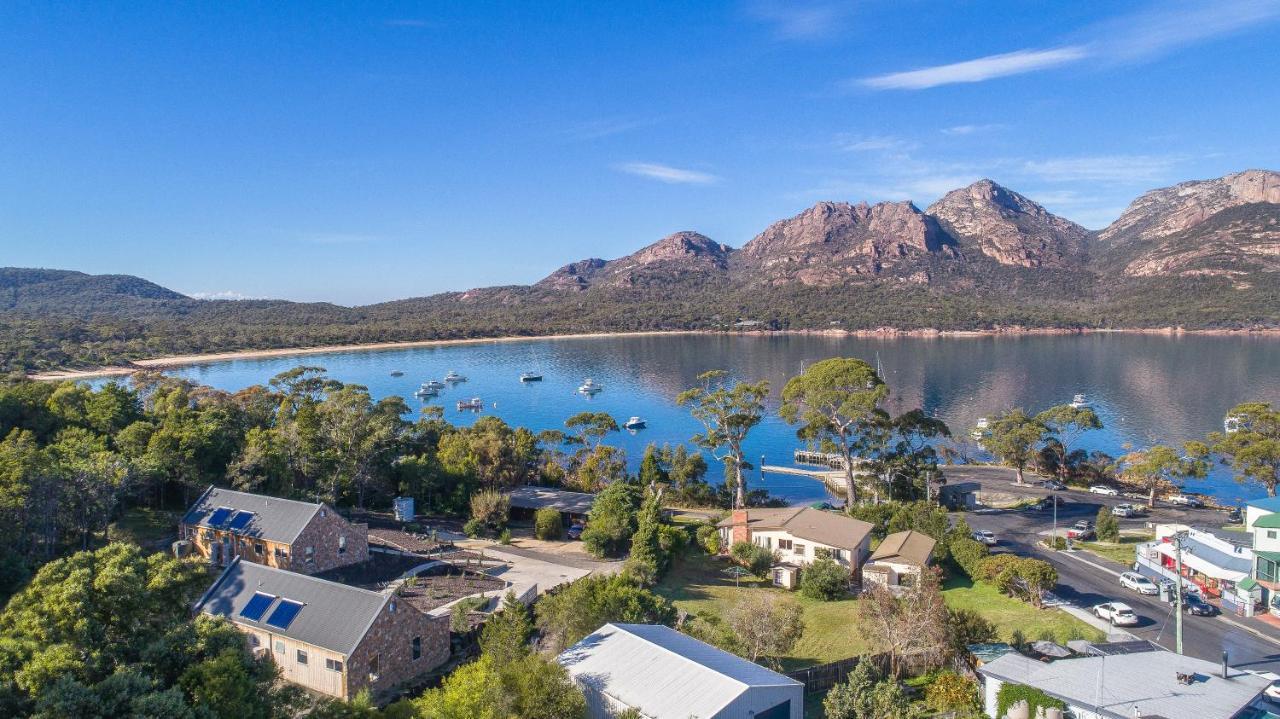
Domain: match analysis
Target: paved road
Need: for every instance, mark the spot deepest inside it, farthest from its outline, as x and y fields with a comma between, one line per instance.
x=1085, y=580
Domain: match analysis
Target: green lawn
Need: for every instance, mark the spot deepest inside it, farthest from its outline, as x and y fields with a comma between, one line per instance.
x=1122, y=551
x=696, y=583
x=145, y=527
x=1010, y=614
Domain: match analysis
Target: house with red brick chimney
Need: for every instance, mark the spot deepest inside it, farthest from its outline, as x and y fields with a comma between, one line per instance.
x=799, y=535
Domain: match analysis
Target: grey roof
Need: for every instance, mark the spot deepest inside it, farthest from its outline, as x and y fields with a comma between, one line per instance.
x=1112, y=686
x=334, y=616
x=662, y=672
x=274, y=519
x=531, y=497
x=816, y=525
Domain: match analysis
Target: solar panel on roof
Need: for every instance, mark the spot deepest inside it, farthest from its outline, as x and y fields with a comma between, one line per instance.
x=240, y=520
x=284, y=614
x=257, y=606
x=219, y=516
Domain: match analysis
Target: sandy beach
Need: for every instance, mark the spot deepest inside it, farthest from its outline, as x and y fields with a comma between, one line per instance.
x=160, y=363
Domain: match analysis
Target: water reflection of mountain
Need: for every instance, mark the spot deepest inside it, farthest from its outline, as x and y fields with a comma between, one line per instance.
x=1145, y=387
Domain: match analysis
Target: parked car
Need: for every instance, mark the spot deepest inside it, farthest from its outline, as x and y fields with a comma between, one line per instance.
x=1186, y=500
x=1083, y=524
x=986, y=537
x=1053, y=484
x=1233, y=514
x=1083, y=534
x=1193, y=604
x=1048, y=502
x=1124, y=510
x=1104, y=489
x=1138, y=583
x=575, y=531
x=1188, y=588
x=1118, y=613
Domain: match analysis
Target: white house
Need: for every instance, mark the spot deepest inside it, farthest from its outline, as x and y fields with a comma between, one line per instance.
x=899, y=560
x=799, y=535
x=668, y=675
x=1121, y=686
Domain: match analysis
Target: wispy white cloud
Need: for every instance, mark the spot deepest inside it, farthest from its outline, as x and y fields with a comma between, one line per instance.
x=983, y=68
x=802, y=19
x=668, y=174
x=874, y=143
x=596, y=129
x=1103, y=168
x=972, y=129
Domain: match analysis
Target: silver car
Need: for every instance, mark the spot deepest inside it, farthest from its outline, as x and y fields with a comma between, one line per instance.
x=1118, y=613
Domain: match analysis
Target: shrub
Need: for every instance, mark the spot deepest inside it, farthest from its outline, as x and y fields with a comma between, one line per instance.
x=969, y=554
x=473, y=528
x=504, y=537
x=993, y=566
x=709, y=538
x=1021, y=577
x=824, y=579
x=753, y=557
x=1058, y=543
x=547, y=524
x=965, y=627
x=1011, y=694
x=1107, y=526
x=951, y=692
x=490, y=508
x=672, y=538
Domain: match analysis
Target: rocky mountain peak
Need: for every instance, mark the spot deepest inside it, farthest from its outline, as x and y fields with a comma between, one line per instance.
x=1169, y=210
x=1009, y=227
x=685, y=245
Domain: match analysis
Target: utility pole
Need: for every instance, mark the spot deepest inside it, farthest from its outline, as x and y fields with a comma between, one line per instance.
x=1053, y=538
x=1177, y=587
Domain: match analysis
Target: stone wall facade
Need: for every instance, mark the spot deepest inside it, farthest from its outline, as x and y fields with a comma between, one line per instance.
x=333, y=542
x=387, y=649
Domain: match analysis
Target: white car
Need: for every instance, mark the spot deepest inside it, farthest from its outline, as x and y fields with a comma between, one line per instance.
x=1138, y=583
x=1103, y=489
x=1118, y=613
x=1124, y=510
x=986, y=537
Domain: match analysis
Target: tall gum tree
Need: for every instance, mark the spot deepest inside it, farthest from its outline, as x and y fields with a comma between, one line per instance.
x=727, y=411
x=837, y=402
x=1253, y=449
x=1066, y=424
x=1013, y=437
x=1160, y=467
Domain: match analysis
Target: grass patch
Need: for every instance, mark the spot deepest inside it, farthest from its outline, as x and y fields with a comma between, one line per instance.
x=1009, y=614
x=145, y=527
x=1122, y=552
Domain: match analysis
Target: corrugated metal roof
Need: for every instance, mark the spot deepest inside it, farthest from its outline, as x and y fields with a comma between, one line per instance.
x=1268, y=521
x=1116, y=686
x=531, y=497
x=662, y=672
x=274, y=519
x=334, y=616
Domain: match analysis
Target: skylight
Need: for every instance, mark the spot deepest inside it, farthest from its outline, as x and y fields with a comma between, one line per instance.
x=219, y=516
x=240, y=520
x=284, y=614
x=257, y=606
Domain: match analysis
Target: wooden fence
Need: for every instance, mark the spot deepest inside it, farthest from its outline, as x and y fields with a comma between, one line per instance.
x=824, y=676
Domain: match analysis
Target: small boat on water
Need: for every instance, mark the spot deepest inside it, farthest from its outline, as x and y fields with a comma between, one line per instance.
x=1079, y=402
x=433, y=384
x=397, y=373
x=426, y=390
x=634, y=423
x=530, y=377
x=473, y=404
x=454, y=377
x=590, y=387
x=981, y=429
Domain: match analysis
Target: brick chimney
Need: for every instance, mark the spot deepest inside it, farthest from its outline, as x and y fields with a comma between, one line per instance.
x=739, y=532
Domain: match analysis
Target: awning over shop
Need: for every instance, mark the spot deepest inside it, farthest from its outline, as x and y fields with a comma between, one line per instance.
x=1202, y=562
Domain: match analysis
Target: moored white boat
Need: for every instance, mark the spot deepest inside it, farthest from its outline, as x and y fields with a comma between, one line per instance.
x=634, y=423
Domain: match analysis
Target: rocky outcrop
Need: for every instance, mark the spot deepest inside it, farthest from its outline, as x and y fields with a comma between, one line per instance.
x=832, y=242
x=1163, y=212
x=1010, y=228
x=1233, y=242
x=673, y=257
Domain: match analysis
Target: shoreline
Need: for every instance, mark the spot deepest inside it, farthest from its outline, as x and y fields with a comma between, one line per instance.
x=160, y=363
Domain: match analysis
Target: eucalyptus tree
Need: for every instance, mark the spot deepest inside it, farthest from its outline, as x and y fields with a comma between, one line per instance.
x=1013, y=437
x=1253, y=447
x=727, y=411
x=1066, y=424
x=836, y=402
x=591, y=427
x=1161, y=467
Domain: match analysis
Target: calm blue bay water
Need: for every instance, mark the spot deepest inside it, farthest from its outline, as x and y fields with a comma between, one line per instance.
x=1147, y=389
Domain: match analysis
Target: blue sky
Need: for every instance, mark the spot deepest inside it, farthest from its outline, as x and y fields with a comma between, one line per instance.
x=360, y=152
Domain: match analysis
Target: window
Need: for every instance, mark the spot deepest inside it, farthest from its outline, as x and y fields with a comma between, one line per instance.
x=784, y=544
x=310, y=555
x=324, y=512
x=799, y=549
x=257, y=549
x=279, y=647
x=1268, y=571
x=373, y=664
x=342, y=545
x=333, y=665
x=837, y=554
x=1271, y=534
x=417, y=647
x=257, y=606
x=302, y=657
x=391, y=606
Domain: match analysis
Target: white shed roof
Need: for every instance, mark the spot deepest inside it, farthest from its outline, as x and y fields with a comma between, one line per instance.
x=662, y=672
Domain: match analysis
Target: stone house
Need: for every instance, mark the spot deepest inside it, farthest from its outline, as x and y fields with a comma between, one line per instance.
x=327, y=637
x=799, y=535
x=899, y=560
x=304, y=537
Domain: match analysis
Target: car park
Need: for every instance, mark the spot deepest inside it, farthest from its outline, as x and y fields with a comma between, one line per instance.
x=1138, y=583
x=1118, y=613
x=1104, y=489
x=987, y=537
